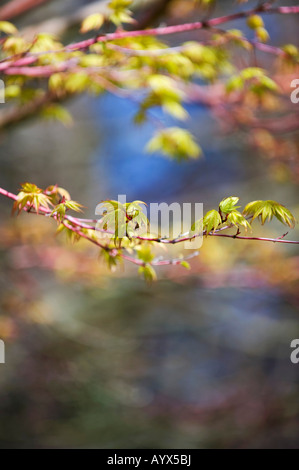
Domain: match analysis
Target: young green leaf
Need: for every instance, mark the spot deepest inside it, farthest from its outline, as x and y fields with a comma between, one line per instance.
x=111, y=257
x=58, y=113
x=262, y=34
x=144, y=253
x=255, y=21
x=148, y=273
x=31, y=196
x=73, y=205
x=174, y=142
x=185, y=264
x=228, y=204
x=94, y=21
x=120, y=14
x=60, y=209
x=7, y=28
x=237, y=219
x=211, y=221
x=266, y=210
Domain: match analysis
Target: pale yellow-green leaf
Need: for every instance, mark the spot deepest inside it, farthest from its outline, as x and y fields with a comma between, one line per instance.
x=8, y=28
x=94, y=21
x=174, y=142
x=211, y=221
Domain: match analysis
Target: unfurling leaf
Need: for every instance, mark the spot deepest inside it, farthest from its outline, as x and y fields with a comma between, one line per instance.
x=111, y=257
x=148, y=273
x=120, y=14
x=60, y=209
x=266, y=210
x=31, y=196
x=228, y=204
x=237, y=219
x=211, y=221
x=57, y=194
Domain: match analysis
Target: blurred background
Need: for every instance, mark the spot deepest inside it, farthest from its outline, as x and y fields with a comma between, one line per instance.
x=200, y=359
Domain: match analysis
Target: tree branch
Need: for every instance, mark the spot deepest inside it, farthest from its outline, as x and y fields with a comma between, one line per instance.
x=17, y=7
x=182, y=28
x=84, y=223
x=8, y=63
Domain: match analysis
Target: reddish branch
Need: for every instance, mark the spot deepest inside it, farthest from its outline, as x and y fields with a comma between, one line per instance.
x=182, y=28
x=17, y=7
x=10, y=66
x=77, y=226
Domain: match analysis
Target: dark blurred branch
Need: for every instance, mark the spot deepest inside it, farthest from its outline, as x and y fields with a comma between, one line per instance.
x=17, y=114
x=59, y=24
x=279, y=125
x=153, y=13
x=17, y=7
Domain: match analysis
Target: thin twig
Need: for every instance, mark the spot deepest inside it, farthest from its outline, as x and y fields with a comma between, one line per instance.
x=81, y=223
